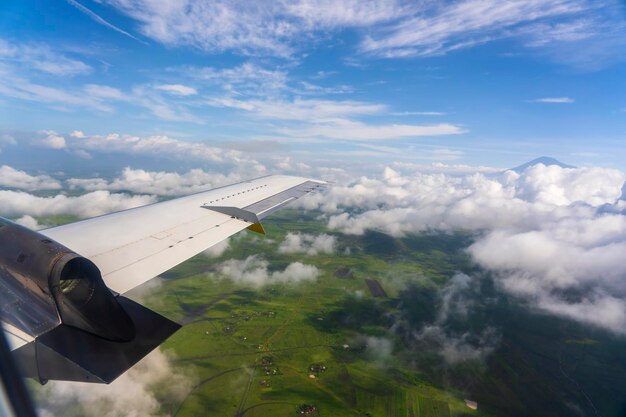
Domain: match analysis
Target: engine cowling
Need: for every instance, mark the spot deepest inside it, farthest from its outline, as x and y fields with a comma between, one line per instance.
x=81, y=330
x=48, y=284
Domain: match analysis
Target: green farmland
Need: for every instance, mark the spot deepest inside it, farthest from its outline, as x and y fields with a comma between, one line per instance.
x=326, y=347
x=230, y=329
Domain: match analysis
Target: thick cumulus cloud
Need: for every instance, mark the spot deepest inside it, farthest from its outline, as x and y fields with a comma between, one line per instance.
x=158, y=182
x=309, y=244
x=553, y=236
x=254, y=270
x=29, y=222
x=13, y=178
x=131, y=395
x=18, y=203
x=399, y=203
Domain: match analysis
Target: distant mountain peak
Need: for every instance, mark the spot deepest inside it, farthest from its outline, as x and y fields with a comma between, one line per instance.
x=545, y=160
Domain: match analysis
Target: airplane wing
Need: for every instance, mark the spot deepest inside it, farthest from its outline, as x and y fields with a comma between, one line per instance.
x=131, y=247
x=80, y=271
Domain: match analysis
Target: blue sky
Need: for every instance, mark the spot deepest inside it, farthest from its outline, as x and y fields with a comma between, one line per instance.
x=459, y=82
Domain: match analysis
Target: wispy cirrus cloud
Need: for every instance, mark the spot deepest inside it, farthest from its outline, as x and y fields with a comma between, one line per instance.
x=247, y=78
x=555, y=100
x=178, y=89
x=419, y=113
x=342, y=129
x=455, y=25
x=19, y=87
x=388, y=28
x=41, y=58
x=252, y=28
x=300, y=109
x=100, y=20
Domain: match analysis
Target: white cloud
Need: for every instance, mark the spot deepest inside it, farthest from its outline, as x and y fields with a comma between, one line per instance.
x=572, y=267
x=42, y=58
x=50, y=139
x=296, y=272
x=17, y=203
x=394, y=28
x=18, y=86
x=398, y=203
x=419, y=113
x=254, y=270
x=7, y=140
x=351, y=130
x=459, y=348
x=309, y=244
x=104, y=92
x=555, y=100
x=439, y=167
x=29, y=222
x=77, y=134
x=247, y=78
x=454, y=299
x=270, y=28
x=162, y=146
x=217, y=250
x=309, y=110
x=100, y=20
x=13, y=178
x=150, y=99
x=441, y=28
x=178, y=89
x=129, y=395
x=159, y=182
x=553, y=236
x=378, y=349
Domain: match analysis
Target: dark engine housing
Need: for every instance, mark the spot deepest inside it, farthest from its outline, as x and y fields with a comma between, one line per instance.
x=82, y=330
x=69, y=286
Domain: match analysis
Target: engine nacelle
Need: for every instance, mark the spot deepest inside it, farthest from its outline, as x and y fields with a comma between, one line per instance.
x=63, y=286
x=81, y=331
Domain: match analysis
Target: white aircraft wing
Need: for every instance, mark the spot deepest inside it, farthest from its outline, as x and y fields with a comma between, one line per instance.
x=132, y=246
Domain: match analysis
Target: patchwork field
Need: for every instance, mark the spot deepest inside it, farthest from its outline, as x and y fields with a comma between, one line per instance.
x=251, y=348
x=418, y=346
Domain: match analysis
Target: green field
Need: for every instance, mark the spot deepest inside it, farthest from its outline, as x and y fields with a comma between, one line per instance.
x=249, y=349
x=230, y=328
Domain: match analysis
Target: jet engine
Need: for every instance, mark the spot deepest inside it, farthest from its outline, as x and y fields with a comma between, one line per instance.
x=81, y=329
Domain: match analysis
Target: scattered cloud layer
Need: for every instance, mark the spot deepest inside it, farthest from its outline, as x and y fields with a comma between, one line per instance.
x=158, y=182
x=553, y=236
x=19, y=203
x=309, y=244
x=264, y=27
x=130, y=395
x=157, y=146
x=454, y=25
x=41, y=58
x=13, y=178
x=254, y=271
x=387, y=28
